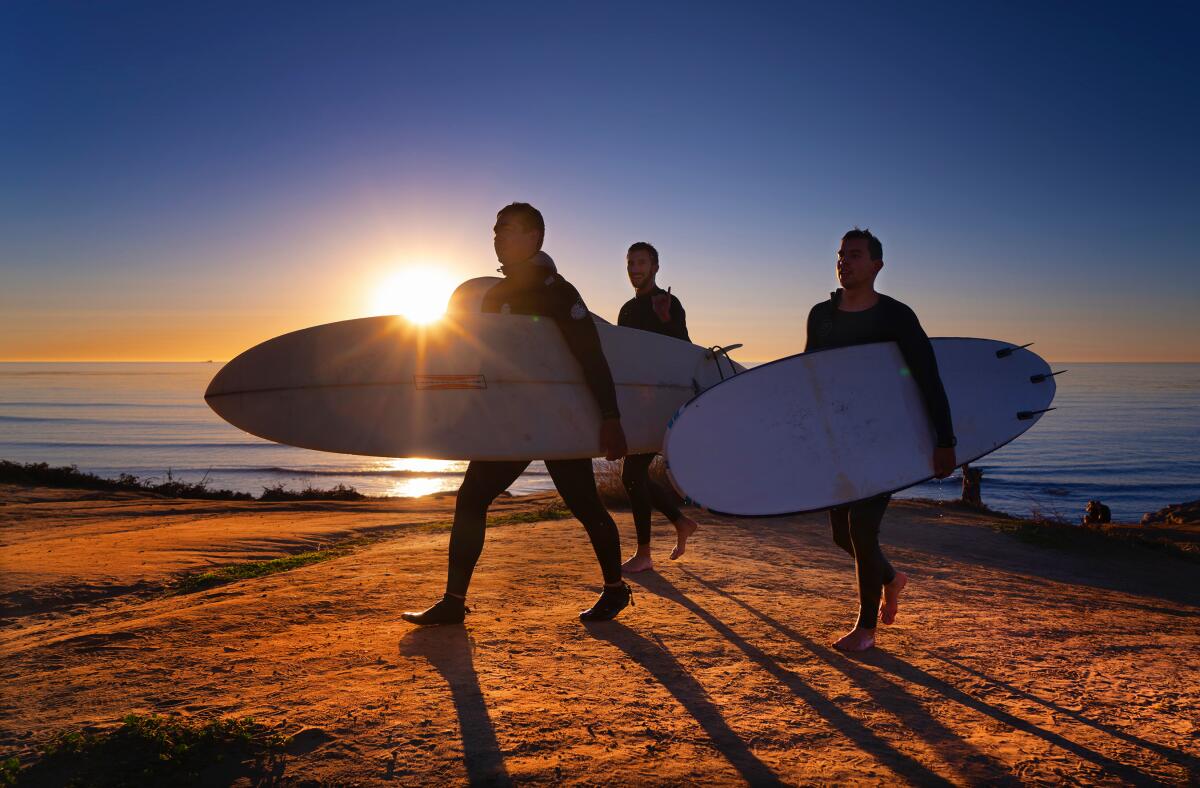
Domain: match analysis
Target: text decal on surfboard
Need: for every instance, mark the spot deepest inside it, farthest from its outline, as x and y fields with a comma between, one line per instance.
x=443, y=382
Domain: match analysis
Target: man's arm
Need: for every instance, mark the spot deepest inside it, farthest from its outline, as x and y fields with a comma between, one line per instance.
x=575, y=322
x=811, y=341
x=669, y=314
x=677, y=325
x=922, y=365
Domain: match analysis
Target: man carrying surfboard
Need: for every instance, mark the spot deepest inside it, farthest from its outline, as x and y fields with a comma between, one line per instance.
x=532, y=286
x=651, y=309
x=856, y=314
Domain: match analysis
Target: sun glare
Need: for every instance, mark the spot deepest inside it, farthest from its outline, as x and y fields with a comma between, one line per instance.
x=419, y=294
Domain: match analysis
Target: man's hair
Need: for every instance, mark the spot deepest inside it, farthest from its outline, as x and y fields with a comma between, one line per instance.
x=527, y=215
x=642, y=246
x=874, y=245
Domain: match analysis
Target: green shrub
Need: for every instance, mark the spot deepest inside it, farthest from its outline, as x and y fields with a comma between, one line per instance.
x=153, y=750
x=69, y=476
x=279, y=492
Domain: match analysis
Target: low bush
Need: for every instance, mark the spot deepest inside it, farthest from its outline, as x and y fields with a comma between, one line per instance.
x=153, y=750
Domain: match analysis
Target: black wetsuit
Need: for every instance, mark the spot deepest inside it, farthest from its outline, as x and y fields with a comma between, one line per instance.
x=856, y=527
x=638, y=312
x=887, y=321
x=635, y=472
x=535, y=288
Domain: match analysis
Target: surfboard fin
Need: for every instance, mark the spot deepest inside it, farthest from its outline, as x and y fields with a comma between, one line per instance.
x=1008, y=351
x=1043, y=376
x=717, y=350
x=1026, y=415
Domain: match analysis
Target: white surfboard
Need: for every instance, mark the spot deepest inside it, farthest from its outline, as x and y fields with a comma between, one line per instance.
x=823, y=429
x=470, y=386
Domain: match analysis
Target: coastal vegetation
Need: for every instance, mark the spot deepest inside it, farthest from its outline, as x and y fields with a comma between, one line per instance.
x=44, y=475
x=554, y=509
x=152, y=750
x=40, y=474
x=192, y=582
x=341, y=492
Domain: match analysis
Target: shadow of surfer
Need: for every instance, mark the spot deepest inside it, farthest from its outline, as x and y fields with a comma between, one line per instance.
x=973, y=764
x=863, y=736
x=689, y=692
x=449, y=651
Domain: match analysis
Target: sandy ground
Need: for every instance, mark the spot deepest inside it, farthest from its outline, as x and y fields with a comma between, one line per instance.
x=1009, y=663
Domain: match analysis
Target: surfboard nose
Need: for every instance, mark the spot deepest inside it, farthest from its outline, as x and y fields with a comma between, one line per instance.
x=251, y=371
x=220, y=384
x=238, y=374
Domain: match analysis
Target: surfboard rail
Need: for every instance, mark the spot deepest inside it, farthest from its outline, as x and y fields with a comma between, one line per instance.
x=855, y=427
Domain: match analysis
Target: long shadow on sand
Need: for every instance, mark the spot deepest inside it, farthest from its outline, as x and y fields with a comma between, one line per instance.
x=892, y=697
x=1189, y=762
x=866, y=739
x=664, y=667
x=448, y=649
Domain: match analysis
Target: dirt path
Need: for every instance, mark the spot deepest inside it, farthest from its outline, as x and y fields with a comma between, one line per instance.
x=1009, y=662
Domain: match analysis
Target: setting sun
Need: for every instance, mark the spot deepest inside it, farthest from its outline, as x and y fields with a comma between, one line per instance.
x=419, y=294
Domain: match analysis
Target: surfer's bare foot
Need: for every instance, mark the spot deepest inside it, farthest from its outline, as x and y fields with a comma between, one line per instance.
x=891, y=598
x=450, y=610
x=684, y=527
x=640, y=562
x=856, y=640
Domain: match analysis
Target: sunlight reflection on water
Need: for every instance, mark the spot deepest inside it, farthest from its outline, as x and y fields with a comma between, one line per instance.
x=421, y=465
x=411, y=488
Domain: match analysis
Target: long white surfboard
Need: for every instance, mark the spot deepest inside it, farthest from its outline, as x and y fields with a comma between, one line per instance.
x=470, y=386
x=823, y=429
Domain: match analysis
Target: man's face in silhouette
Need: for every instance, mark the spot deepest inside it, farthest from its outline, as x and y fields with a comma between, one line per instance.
x=641, y=268
x=513, y=241
x=855, y=268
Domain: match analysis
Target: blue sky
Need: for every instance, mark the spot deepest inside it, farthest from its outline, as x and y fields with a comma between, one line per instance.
x=185, y=180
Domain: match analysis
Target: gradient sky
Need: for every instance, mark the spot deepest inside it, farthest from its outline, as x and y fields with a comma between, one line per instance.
x=184, y=180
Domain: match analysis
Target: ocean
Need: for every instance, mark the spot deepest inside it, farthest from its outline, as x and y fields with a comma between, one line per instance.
x=1125, y=434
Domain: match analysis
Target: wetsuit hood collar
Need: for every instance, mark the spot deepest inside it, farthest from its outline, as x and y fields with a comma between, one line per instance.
x=540, y=262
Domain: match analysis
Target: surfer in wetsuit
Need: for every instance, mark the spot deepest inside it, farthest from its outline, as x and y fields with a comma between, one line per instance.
x=856, y=314
x=532, y=286
x=651, y=309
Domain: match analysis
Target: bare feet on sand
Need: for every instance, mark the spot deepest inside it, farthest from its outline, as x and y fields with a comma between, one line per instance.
x=856, y=640
x=640, y=562
x=891, y=598
x=684, y=527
